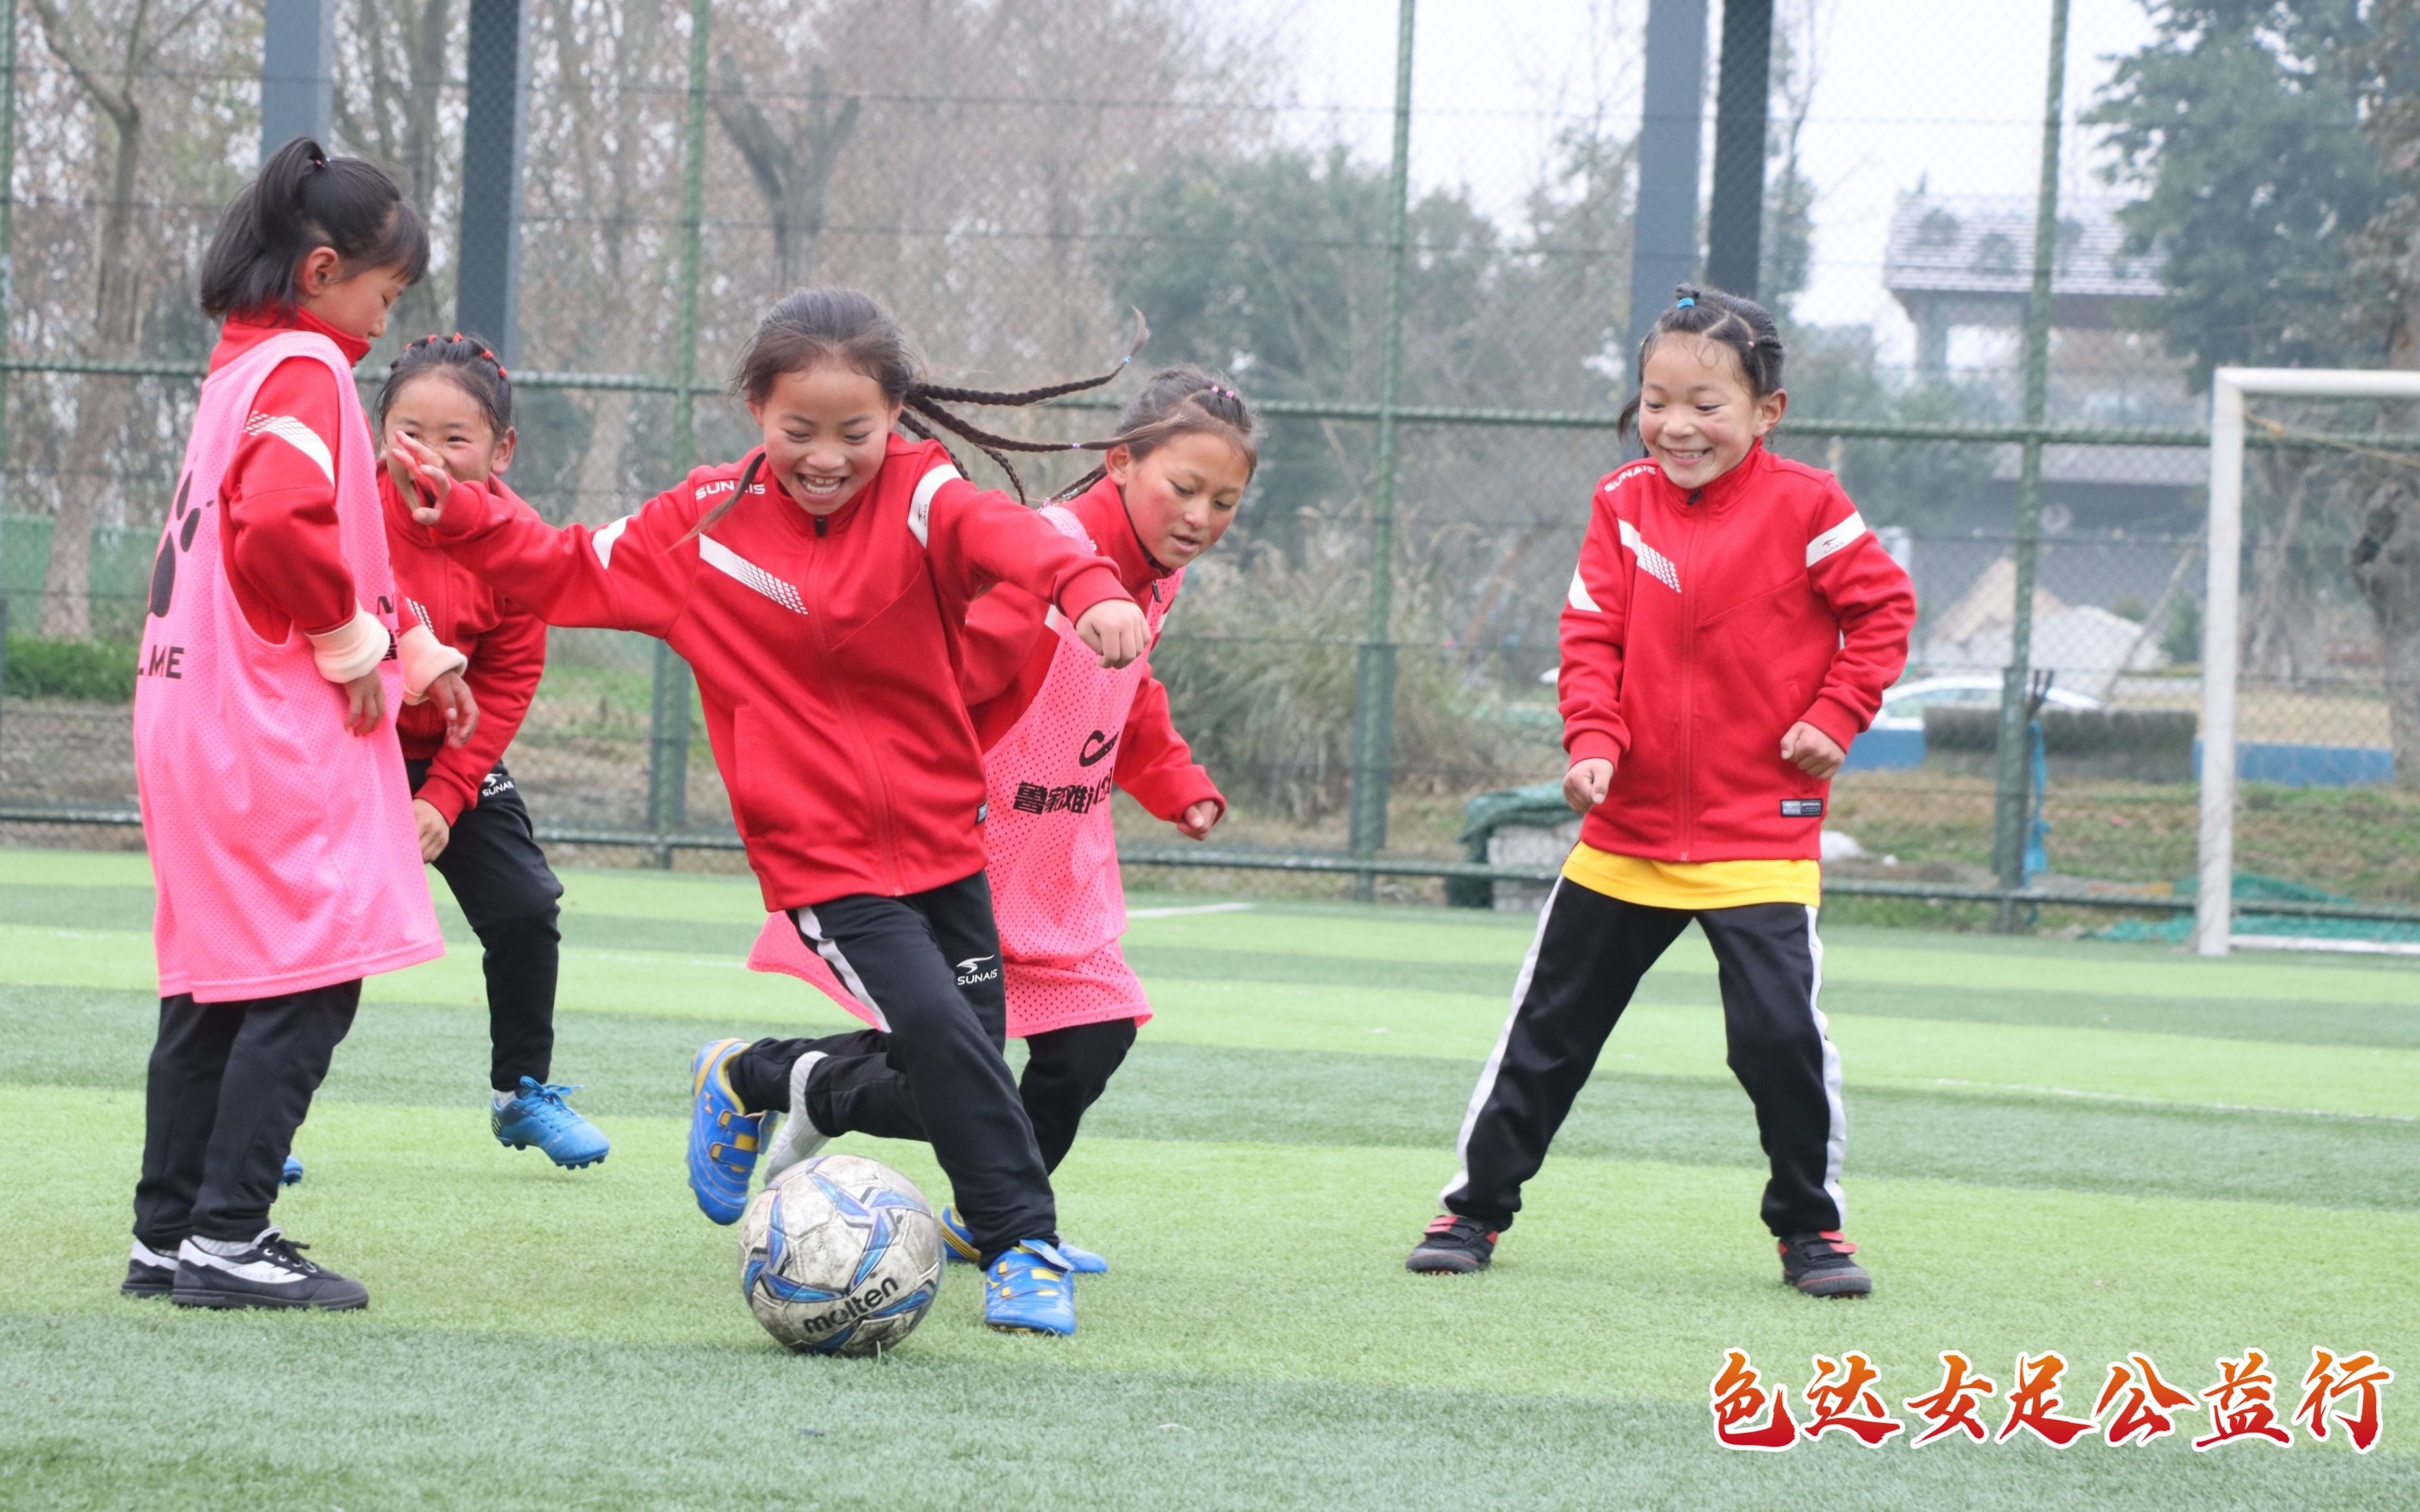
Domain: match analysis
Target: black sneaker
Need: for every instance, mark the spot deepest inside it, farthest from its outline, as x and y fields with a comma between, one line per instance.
x=148, y=1272
x=1819, y=1265
x=270, y=1271
x=1453, y=1246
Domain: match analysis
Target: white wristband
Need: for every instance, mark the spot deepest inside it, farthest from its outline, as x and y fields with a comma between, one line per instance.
x=425, y=659
x=353, y=651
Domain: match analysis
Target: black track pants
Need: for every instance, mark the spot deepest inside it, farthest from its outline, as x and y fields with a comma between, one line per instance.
x=929, y=964
x=229, y=1086
x=499, y=878
x=1065, y=1070
x=1590, y=953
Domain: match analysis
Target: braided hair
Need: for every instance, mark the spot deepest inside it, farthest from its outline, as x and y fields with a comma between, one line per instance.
x=815, y=325
x=1740, y=324
x=1178, y=401
x=465, y=361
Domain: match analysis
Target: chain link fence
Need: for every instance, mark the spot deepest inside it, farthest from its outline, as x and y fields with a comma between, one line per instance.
x=1014, y=203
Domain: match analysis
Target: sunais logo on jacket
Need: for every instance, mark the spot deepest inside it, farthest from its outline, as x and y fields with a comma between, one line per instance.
x=970, y=970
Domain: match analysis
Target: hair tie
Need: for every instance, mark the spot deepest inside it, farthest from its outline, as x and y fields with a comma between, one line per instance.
x=1684, y=301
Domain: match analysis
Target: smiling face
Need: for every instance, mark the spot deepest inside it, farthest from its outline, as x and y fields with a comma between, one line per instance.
x=1696, y=416
x=1181, y=496
x=826, y=430
x=441, y=415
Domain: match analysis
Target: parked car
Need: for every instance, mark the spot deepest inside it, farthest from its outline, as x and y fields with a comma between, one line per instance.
x=1903, y=706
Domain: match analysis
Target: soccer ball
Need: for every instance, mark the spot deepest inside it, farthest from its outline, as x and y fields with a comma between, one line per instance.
x=840, y=1255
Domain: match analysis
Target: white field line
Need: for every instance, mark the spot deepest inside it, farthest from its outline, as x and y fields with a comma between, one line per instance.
x=1197, y=908
x=2309, y=942
x=2168, y=1103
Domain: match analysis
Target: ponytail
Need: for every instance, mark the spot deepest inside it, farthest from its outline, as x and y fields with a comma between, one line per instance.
x=304, y=199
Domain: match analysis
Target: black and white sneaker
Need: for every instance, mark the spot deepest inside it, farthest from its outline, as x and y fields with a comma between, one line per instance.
x=267, y=1271
x=1819, y=1265
x=148, y=1272
x=1453, y=1246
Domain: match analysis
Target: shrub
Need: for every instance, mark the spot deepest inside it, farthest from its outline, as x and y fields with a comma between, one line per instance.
x=101, y=670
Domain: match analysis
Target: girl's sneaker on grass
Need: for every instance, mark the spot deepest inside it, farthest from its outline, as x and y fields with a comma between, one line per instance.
x=1453, y=1246
x=1028, y=1290
x=148, y=1272
x=1819, y=1265
x=537, y=1115
x=722, y=1136
x=958, y=1244
x=267, y=1271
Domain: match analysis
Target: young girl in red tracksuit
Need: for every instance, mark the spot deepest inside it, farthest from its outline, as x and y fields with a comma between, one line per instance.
x=451, y=395
x=820, y=588
x=1732, y=626
x=1057, y=733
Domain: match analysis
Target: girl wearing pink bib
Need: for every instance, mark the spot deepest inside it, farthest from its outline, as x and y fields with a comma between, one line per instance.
x=274, y=804
x=1060, y=731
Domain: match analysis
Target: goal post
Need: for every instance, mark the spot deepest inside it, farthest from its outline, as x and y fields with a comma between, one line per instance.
x=2221, y=614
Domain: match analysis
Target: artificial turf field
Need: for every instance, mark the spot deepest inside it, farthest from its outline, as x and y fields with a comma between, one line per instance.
x=2094, y=1149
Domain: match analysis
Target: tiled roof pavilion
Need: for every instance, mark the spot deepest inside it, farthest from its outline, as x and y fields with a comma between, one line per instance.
x=1967, y=260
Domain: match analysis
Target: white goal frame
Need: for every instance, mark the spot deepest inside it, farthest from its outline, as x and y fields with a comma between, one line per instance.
x=2222, y=613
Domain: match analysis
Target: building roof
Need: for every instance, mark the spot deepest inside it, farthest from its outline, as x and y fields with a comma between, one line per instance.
x=1982, y=244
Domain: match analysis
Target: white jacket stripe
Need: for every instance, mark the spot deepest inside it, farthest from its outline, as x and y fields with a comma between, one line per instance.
x=297, y=434
x=732, y=564
x=1835, y=538
x=1579, y=596
x=603, y=541
x=919, y=509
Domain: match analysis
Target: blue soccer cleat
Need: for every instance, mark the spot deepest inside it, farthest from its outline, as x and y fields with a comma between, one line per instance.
x=1028, y=1290
x=958, y=1247
x=722, y=1136
x=539, y=1116
x=292, y=1174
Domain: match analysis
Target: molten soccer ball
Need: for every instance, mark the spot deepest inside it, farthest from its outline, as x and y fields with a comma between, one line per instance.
x=840, y=1255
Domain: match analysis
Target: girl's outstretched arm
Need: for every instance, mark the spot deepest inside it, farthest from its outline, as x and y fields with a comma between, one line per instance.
x=978, y=538
x=1875, y=603
x=636, y=573
x=1156, y=766
x=1593, y=633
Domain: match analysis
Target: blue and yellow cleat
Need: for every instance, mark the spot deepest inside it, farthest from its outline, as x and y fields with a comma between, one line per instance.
x=958, y=1243
x=537, y=1115
x=1028, y=1290
x=722, y=1136
x=292, y=1174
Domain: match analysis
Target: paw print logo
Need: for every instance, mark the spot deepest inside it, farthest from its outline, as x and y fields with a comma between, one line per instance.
x=163, y=571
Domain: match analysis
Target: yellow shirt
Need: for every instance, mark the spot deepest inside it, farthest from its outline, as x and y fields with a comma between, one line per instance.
x=1695, y=884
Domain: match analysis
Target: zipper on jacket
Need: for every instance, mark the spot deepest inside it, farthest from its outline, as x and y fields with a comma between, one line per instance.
x=1689, y=683
x=823, y=527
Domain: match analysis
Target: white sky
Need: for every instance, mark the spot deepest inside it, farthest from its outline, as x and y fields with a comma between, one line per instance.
x=1903, y=93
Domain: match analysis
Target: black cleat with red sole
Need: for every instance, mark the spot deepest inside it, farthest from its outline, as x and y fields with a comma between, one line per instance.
x=1453, y=1246
x=1819, y=1265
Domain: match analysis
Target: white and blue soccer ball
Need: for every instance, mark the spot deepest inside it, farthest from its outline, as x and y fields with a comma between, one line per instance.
x=840, y=1255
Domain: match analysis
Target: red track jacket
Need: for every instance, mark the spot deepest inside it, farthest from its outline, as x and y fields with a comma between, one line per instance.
x=1009, y=657
x=827, y=652
x=506, y=645
x=1699, y=627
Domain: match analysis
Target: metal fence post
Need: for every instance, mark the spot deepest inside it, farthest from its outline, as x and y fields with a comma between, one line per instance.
x=487, y=290
x=1672, y=113
x=1743, y=99
x=2011, y=801
x=298, y=52
x=7, y=270
x=1373, y=680
x=668, y=715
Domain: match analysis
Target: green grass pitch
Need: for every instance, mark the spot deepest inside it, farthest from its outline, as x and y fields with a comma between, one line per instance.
x=2092, y=1149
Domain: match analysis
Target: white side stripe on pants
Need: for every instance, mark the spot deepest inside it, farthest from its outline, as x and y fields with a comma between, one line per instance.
x=1495, y=1057
x=811, y=929
x=1835, y=1145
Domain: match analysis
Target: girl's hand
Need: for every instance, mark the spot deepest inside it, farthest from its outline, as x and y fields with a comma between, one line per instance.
x=1115, y=629
x=453, y=695
x=420, y=476
x=1195, y=822
x=365, y=704
x=434, y=831
x=1585, y=784
x=1811, y=752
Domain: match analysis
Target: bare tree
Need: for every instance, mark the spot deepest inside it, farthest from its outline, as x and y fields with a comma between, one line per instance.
x=792, y=167
x=106, y=56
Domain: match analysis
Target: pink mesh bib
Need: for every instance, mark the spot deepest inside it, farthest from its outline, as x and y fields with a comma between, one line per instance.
x=283, y=847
